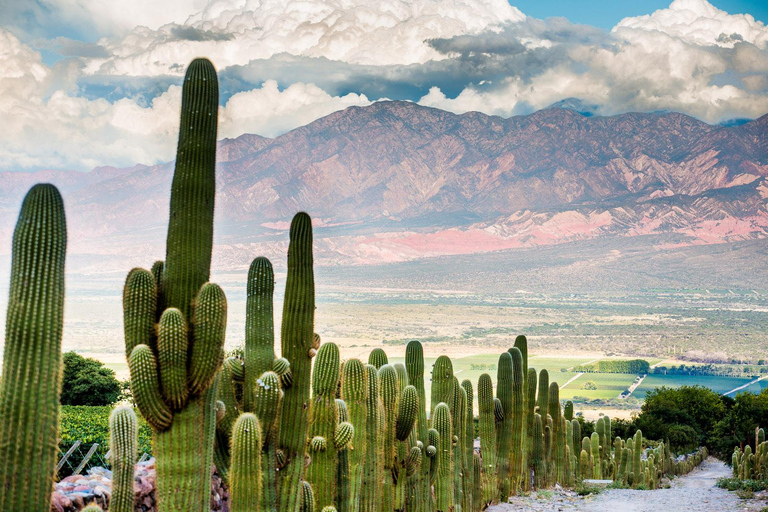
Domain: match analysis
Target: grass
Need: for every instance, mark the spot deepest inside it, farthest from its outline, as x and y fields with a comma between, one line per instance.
x=715, y=383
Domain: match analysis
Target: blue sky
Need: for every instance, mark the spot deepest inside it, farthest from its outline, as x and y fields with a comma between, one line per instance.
x=96, y=82
x=606, y=13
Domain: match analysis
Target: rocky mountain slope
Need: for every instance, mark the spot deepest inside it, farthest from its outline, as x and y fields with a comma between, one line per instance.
x=395, y=181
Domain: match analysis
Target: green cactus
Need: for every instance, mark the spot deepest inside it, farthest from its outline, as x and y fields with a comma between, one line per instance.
x=468, y=480
x=485, y=403
x=542, y=399
x=441, y=422
x=354, y=391
x=370, y=488
x=531, y=383
x=575, y=447
x=458, y=413
x=378, y=358
x=259, y=327
x=29, y=395
x=568, y=410
x=342, y=440
x=538, y=457
x=505, y=394
x=595, y=449
x=186, y=364
x=324, y=417
x=297, y=333
x=556, y=457
x=518, y=446
x=139, y=310
x=442, y=382
x=123, y=444
x=245, y=477
x=307, y=499
x=637, y=445
x=389, y=391
x=477, y=490
x=414, y=364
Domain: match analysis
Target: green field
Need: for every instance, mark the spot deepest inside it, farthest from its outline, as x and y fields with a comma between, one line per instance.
x=609, y=385
x=717, y=384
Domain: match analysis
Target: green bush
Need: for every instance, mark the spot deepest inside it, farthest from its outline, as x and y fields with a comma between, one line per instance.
x=87, y=381
x=734, y=484
x=91, y=425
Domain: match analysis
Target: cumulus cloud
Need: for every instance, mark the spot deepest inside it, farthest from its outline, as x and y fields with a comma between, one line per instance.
x=699, y=22
x=387, y=32
x=66, y=130
x=269, y=111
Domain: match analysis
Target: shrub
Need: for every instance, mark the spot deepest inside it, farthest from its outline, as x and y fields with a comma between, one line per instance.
x=91, y=425
x=87, y=381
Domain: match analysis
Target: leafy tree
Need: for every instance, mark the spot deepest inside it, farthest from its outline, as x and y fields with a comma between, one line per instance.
x=696, y=407
x=737, y=427
x=88, y=382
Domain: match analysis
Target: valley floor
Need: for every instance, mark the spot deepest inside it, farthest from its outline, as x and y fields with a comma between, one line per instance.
x=693, y=492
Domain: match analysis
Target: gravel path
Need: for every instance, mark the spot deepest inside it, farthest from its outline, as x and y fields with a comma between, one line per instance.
x=693, y=492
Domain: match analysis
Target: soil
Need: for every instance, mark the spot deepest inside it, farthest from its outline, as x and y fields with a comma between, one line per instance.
x=695, y=491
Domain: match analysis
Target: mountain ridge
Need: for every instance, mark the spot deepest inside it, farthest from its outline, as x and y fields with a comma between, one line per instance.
x=395, y=181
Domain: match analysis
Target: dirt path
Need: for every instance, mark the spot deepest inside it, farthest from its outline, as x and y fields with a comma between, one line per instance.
x=693, y=492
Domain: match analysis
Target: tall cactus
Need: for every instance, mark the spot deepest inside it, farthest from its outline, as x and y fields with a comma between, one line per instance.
x=259, y=327
x=468, y=442
x=441, y=422
x=542, y=399
x=390, y=394
x=173, y=382
x=324, y=416
x=371, y=484
x=29, y=395
x=538, y=457
x=245, y=478
x=458, y=415
x=531, y=382
x=378, y=358
x=297, y=335
x=555, y=413
x=123, y=443
x=354, y=391
x=414, y=364
x=518, y=420
x=505, y=394
x=485, y=403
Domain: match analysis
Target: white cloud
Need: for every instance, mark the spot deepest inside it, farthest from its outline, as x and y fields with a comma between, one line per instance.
x=699, y=22
x=355, y=31
x=269, y=111
x=65, y=130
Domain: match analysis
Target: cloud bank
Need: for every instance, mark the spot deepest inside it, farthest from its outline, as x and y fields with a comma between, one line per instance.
x=284, y=63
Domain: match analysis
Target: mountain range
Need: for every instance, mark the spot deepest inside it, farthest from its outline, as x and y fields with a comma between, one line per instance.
x=395, y=181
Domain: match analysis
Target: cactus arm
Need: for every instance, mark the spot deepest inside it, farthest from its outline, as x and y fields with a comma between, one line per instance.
x=245, y=474
x=139, y=310
x=123, y=443
x=210, y=327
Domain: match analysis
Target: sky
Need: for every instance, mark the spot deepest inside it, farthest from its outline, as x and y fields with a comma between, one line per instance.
x=86, y=83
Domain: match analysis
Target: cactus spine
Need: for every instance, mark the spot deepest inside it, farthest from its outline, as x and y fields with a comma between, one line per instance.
x=245, y=477
x=29, y=395
x=297, y=334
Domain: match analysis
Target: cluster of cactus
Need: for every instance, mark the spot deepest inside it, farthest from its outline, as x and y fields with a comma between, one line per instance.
x=749, y=463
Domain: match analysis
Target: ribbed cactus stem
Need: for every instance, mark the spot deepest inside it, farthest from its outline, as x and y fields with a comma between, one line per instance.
x=342, y=440
x=468, y=442
x=441, y=422
x=538, y=456
x=505, y=393
x=259, y=326
x=139, y=310
x=296, y=339
x=354, y=391
x=518, y=420
x=31, y=378
x=414, y=364
x=190, y=230
x=378, y=358
x=542, y=399
x=324, y=417
x=369, y=494
x=458, y=413
x=210, y=326
x=442, y=382
x=485, y=404
x=531, y=383
x=123, y=443
x=172, y=357
x=245, y=477
x=389, y=390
